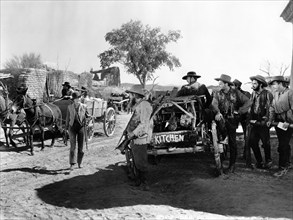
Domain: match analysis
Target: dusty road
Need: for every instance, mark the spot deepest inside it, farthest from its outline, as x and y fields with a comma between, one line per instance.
x=181, y=187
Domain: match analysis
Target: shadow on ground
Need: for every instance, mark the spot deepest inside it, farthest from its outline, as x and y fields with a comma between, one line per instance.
x=186, y=182
x=38, y=170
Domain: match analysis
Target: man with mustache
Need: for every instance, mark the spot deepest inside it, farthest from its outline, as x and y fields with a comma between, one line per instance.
x=261, y=100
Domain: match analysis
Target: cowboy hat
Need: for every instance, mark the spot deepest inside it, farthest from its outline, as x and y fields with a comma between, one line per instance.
x=138, y=89
x=225, y=78
x=260, y=79
x=22, y=88
x=66, y=84
x=75, y=95
x=191, y=74
x=278, y=79
x=236, y=82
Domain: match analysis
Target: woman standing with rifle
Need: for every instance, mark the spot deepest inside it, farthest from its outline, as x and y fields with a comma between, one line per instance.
x=140, y=130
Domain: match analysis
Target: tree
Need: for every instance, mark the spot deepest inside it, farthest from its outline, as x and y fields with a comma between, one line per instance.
x=30, y=60
x=277, y=70
x=141, y=49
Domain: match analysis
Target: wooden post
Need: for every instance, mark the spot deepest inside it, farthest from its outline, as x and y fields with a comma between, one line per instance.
x=287, y=15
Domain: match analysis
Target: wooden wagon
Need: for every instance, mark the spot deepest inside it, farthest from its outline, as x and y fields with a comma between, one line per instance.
x=180, y=127
x=99, y=111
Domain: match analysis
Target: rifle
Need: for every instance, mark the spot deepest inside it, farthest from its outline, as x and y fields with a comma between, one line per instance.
x=262, y=123
x=247, y=147
x=121, y=146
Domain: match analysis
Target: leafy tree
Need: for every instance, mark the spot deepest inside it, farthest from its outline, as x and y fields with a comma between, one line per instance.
x=141, y=49
x=30, y=60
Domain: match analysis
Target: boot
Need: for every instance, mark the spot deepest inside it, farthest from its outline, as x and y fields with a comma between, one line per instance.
x=144, y=185
x=231, y=169
x=79, y=159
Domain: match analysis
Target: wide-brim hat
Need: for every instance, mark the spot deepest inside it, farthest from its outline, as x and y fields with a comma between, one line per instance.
x=225, y=78
x=66, y=84
x=76, y=95
x=22, y=88
x=138, y=89
x=236, y=82
x=191, y=74
x=278, y=79
x=260, y=79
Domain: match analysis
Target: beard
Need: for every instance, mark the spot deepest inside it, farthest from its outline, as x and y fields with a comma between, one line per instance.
x=257, y=88
x=132, y=102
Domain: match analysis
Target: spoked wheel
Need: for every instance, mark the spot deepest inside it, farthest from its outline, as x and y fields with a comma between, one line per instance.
x=131, y=168
x=90, y=130
x=218, y=150
x=109, y=121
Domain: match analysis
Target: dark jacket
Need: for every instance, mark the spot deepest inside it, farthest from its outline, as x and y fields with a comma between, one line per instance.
x=198, y=90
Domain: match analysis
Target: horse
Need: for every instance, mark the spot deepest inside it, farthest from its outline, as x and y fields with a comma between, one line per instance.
x=8, y=118
x=44, y=115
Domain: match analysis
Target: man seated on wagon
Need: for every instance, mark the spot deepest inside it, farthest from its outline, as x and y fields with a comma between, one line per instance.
x=21, y=89
x=66, y=91
x=195, y=88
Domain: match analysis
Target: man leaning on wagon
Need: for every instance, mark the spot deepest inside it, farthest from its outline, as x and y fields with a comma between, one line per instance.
x=229, y=104
x=261, y=101
x=140, y=129
x=281, y=110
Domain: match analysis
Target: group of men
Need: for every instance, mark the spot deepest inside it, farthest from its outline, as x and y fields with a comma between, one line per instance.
x=231, y=105
x=228, y=106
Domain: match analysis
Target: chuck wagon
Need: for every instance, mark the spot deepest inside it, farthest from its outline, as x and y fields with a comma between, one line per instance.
x=179, y=127
x=100, y=112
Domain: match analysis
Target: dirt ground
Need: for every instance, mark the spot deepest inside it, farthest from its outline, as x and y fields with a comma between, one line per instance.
x=181, y=187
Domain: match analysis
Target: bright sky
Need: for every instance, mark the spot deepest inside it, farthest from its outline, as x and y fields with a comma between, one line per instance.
x=218, y=37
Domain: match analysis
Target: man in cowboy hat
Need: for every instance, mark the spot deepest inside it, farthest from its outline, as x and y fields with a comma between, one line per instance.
x=195, y=88
x=228, y=104
x=243, y=118
x=261, y=100
x=21, y=89
x=140, y=129
x=75, y=122
x=84, y=94
x=281, y=110
x=67, y=90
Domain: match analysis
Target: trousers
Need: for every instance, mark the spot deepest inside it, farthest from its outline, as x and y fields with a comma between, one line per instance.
x=76, y=134
x=260, y=133
x=284, y=147
x=140, y=157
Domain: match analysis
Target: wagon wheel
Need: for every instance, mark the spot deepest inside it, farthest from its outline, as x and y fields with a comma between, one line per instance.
x=109, y=121
x=131, y=168
x=90, y=130
x=217, y=150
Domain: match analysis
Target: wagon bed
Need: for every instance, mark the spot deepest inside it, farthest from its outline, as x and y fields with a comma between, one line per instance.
x=99, y=112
